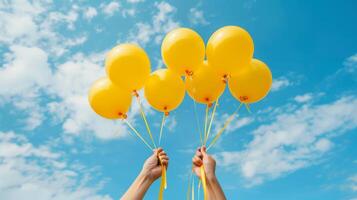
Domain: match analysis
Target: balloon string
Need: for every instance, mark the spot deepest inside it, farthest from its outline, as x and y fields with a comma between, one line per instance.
x=162, y=126
x=226, y=123
x=193, y=189
x=206, y=119
x=204, y=183
x=199, y=189
x=248, y=108
x=188, y=195
x=197, y=121
x=144, y=118
x=212, y=117
x=138, y=134
x=163, y=184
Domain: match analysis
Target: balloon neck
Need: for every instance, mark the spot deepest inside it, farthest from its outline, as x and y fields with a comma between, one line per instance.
x=166, y=112
x=188, y=72
x=135, y=93
x=209, y=105
x=243, y=98
x=225, y=78
x=122, y=115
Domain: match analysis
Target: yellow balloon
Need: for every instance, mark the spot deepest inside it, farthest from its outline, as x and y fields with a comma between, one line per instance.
x=108, y=100
x=128, y=66
x=229, y=50
x=182, y=50
x=205, y=86
x=164, y=90
x=252, y=84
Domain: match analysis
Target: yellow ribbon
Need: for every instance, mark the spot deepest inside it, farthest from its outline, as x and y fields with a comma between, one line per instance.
x=197, y=121
x=162, y=126
x=144, y=118
x=206, y=119
x=248, y=108
x=204, y=183
x=138, y=134
x=189, y=186
x=230, y=118
x=163, y=184
x=212, y=117
x=193, y=189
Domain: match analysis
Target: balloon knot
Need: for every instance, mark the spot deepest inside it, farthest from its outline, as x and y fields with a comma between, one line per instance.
x=136, y=94
x=209, y=105
x=122, y=115
x=167, y=114
x=225, y=78
x=243, y=98
x=207, y=99
x=189, y=73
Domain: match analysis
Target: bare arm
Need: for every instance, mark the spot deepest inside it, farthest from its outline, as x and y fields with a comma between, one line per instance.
x=150, y=172
x=214, y=189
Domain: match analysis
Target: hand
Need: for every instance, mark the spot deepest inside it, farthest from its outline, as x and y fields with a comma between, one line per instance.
x=152, y=167
x=202, y=158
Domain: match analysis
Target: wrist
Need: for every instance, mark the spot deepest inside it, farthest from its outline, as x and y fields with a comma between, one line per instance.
x=211, y=178
x=146, y=177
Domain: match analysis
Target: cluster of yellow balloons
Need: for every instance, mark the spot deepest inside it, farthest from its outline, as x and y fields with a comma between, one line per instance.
x=227, y=58
x=128, y=70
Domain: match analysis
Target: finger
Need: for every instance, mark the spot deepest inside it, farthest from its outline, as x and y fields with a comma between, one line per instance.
x=162, y=153
x=164, y=157
x=196, y=161
x=164, y=162
x=199, y=154
x=158, y=150
x=203, y=151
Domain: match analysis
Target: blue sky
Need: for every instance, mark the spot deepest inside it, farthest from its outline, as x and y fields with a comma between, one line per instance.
x=298, y=143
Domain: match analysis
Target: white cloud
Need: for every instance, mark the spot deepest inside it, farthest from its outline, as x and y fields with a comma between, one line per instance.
x=135, y=1
x=110, y=8
x=24, y=73
x=196, y=16
x=128, y=12
x=33, y=23
x=171, y=123
x=40, y=173
x=89, y=13
x=353, y=183
x=295, y=139
x=280, y=83
x=303, y=98
x=351, y=64
x=61, y=92
x=25, y=68
x=162, y=22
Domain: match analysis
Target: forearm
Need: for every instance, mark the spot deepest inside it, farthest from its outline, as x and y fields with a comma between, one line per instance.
x=214, y=189
x=138, y=189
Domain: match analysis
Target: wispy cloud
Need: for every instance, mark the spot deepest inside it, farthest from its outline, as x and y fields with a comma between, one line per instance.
x=280, y=83
x=110, y=8
x=38, y=172
x=293, y=140
x=351, y=64
x=161, y=23
x=197, y=16
x=90, y=12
